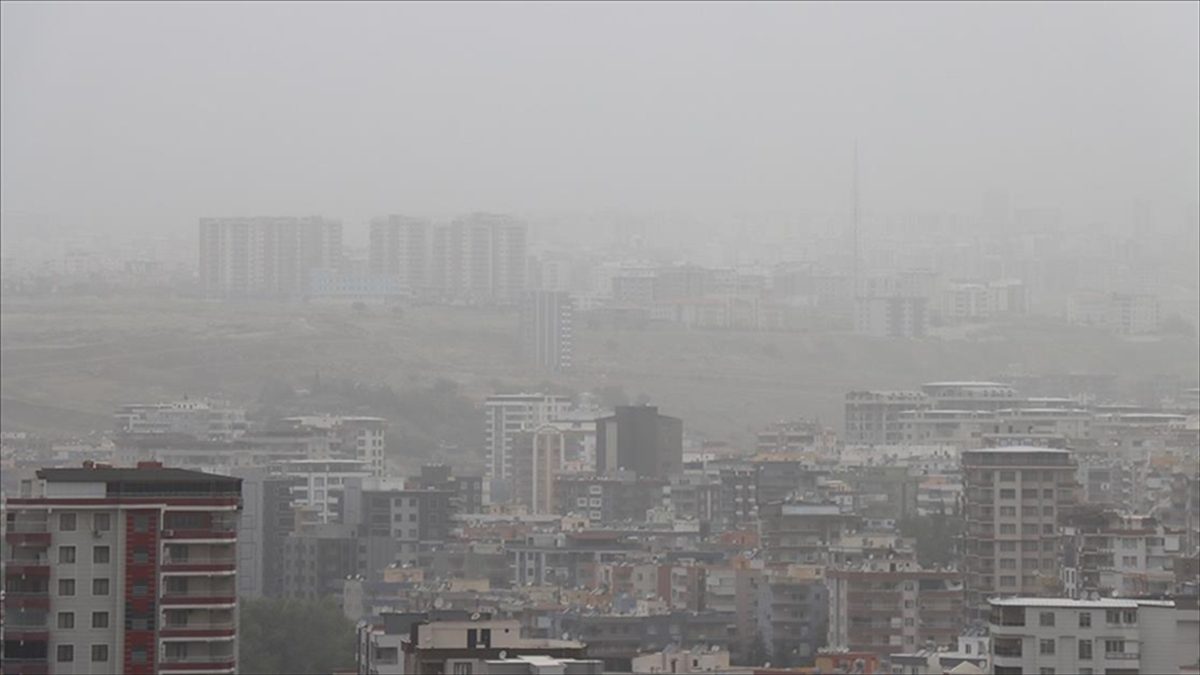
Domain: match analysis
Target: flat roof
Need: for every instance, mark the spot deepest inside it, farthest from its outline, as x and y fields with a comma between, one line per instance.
x=1068, y=603
x=966, y=384
x=129, y=474
x=1018, y=449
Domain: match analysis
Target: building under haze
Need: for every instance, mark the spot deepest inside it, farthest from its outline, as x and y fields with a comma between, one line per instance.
x=547, y=325
x=266, y=257
x=400, y=249
x=638, y=439
x=127, y=570
x=506, y=416
x=1013, y=501
x=481, y=258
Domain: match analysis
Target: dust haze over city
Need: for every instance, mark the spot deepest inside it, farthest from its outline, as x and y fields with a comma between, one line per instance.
x=600, y=337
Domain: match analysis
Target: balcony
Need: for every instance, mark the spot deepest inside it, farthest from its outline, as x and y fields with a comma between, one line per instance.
x=34, y=666
x=215, y=596
x=30, y=599
x=200, y=662
x=1122, y=656
x=35, y=567
x=32, y=538
x=200, y=565
x=219, y=533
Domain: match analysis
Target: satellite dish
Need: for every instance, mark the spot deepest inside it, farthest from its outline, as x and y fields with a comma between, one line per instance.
x=503, y=654
x=475, y=616
x=439, y=603
x=566, y=636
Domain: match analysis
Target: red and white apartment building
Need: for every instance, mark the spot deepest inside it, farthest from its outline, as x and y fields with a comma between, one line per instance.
x=128, y=570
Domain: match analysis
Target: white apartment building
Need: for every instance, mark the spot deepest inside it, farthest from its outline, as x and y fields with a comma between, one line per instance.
x=360, y=438
x=323, y=483
x=400, y=249
x=874, y=417
x=506, y=415
x=200, y=418
x=1052, y=636
x=265, y=257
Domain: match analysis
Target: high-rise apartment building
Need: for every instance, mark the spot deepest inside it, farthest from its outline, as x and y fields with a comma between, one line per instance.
x=639, y=439
x=547, y=324
x=128, y=570
x=875, y=417
x=866, y=600
x=265, y=257
x=537, y=460
x=1013, y=500
x=481, y=258
x=508, y=414
x=400, y=248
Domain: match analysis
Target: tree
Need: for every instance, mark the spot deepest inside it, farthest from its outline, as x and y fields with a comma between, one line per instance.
x=294, y=636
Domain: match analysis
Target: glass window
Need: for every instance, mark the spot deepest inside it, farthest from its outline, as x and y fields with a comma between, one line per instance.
x=65, y=653
x=66, y=555
x=1085, y=649
x=66, y=523
x=1046, y=619
x=1085, y=619
x=66, y=587
x=99, y=586
x=1046, y=647
x=102, y=522
x=99, y=619
x=100, y=653
x=66, y=619
x=100, y=555
x=141, y=523
x=141, y=556
x=138, y=655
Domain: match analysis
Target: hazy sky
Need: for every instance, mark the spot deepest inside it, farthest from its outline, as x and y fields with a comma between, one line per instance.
x=151, y=115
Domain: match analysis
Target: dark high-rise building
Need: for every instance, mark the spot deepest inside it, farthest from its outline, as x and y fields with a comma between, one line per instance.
x=638, y=439
x=547, y=320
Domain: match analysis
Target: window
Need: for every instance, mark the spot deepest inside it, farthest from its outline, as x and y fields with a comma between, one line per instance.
x=581, y=501
x=908, y=621
x=1008, y=581
x=66, y=523
x=1047, y=528
x=1008, y=493
x=1008, y=528
x=100, y=555
x=99, y=653
x=66, y=619
x=1085, y=619
x=99, y=586
x=1128, y=543
x=177, y=553
x=99, y=620
x=462, y=669
x=1008, y=476
x=1129, y=560
x=138, y=655
x=66, y=587
x=1112, y=616
x=1085, y=650
x=1114, y=646
x=1046, y=647
x=1029, y=563
x=1029, y=493
x=1048, y=511
x=1008, y=546
x=65, y=653
x=141, y=523
x=1008, y=563
x=1130, y=616
x=412, y=517
x=1008, y=512
x=141, y=556
x=102, y=522
x=140, y=589
x=66, y=555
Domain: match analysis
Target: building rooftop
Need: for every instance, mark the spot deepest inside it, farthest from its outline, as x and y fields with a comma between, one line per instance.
x=1067, y=603
x=143, y=473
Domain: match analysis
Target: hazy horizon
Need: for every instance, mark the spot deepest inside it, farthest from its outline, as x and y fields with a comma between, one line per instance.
x=137, y=117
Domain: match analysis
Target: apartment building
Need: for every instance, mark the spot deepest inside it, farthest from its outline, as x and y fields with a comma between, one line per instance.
x=506, y=415
x=1014, y=500
x=875, y=417
x=547, y=329
x=320, y=483
x=480, y=259
x=801, y=532
x=268, y=257
x=1116, y=637
x=639, y=439
x=400, y=249
x=127, y=570
x=885, y=606
x=361, y=438
x=199, y=418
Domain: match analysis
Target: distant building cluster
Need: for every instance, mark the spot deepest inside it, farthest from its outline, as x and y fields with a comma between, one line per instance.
x=961, y=526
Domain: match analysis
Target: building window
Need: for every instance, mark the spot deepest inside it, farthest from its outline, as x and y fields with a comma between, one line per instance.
x=66, y=587
x=1008, y=581
x=462, y=669
x=100, y=555
x=99, y=653
x=1046, y=647
x=1008, y=493
x=141, y=556
x=138, y=655
x=1130, y=616
x=66, y=620
x=65, y=653
x=1008, y=476
x=140, y=589
x=141, y=523
x=99, y=620
x=99, y=586
x=66, y=523
x=101, y=522
x=1085, y=619
x=1114, y=646
x=1085, y=650
x=1112, y=617
x=66, y=555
